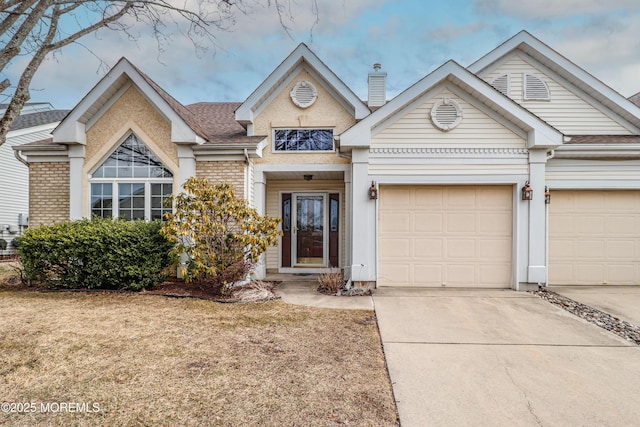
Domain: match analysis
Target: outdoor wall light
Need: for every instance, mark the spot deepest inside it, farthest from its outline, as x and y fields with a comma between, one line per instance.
x=373, y=191
x=527, y=191
x=547, y=195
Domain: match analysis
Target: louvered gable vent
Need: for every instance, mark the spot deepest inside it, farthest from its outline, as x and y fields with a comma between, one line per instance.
x=501, y=84
x=535, y=88
x=446, y=114
x=303, y=94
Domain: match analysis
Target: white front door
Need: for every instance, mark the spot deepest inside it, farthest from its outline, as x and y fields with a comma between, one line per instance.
x=309, y=246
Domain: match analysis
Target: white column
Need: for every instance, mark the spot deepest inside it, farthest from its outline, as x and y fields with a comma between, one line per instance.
x=76, y=164
x=363, y=227
x=260, y=205
x=348, y=212
x=537, y=270
x=186, y=163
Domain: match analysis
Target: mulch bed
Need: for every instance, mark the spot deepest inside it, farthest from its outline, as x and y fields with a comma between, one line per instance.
x=258, y=291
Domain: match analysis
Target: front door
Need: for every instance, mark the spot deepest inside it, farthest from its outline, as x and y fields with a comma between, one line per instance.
x=309, y=239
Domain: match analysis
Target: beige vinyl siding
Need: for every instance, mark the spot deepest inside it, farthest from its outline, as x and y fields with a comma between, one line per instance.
x=594, y=237
x=486, y=166
x=14, y=180
x=415, y=129
x=605, y=170
x=454, y=236
x=274, y=188
x=566, y=111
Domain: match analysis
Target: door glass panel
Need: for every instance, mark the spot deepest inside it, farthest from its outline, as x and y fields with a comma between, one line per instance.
x=310, y=230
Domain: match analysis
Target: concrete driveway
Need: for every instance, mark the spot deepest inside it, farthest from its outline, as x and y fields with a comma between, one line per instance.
x=622, y=302
x=502, y=358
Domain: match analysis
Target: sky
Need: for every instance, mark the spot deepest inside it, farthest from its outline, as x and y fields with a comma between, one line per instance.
x=410, y=38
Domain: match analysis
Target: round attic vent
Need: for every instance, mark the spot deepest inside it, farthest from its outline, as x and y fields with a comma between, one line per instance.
x=446, y=114
x=304, y=94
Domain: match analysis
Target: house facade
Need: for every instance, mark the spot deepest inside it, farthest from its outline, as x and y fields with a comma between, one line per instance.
x=36, y=121
x=521, y=169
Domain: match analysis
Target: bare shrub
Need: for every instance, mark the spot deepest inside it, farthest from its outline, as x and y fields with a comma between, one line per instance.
x=331, y=283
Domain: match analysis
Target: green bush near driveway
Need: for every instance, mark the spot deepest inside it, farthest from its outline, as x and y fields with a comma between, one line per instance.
x=96, y=254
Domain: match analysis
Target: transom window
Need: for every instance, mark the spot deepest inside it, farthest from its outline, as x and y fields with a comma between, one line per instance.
x=132, y=183
x=303, y=139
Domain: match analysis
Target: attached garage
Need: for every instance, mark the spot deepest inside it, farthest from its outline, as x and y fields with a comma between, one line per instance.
x=453, y=236
x=594, y=237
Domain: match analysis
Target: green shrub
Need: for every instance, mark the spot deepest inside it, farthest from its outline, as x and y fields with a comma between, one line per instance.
x=3, y=244
x=96, y=254
x=220, y=234
x=16, y=242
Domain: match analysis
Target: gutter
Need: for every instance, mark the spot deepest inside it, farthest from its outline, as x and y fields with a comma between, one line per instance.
x=247, y=176
x=17, y=154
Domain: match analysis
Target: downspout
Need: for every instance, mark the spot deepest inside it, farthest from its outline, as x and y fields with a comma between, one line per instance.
x=247, y=187
x=550, y=155
x=21, y=159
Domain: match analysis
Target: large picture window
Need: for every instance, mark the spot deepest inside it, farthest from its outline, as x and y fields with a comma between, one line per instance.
x=303, y=139
x=132, y=183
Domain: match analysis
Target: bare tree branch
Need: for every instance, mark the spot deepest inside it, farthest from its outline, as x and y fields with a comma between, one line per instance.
x=34, y=29
x=15, y=14
x=12, y=49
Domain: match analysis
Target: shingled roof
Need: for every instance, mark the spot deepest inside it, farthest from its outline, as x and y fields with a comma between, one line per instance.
x=219, y=123
x=635, y=99
x=604, y=139
x=185, y=114
x=36, y=119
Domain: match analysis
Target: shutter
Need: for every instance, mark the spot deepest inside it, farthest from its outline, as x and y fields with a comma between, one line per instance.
x=334, y=229
x=501, y=84
x=535, y=88
x=286, y=230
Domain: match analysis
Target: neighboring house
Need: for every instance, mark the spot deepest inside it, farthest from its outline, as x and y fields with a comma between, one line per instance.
x=36, y=121
x=519, y=170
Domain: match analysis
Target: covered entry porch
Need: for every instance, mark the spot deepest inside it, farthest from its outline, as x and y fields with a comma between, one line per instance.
x=312, y=203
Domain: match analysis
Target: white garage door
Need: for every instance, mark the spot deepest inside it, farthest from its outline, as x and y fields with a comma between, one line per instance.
x=454, y=236
x=594, y=238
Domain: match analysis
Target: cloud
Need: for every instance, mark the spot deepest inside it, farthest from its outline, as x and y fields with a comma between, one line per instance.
x=549, y=9
x=451, y=31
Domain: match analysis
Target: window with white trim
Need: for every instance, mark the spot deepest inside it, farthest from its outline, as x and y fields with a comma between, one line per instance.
x=132, y=183
x=535, y=89
x=303, y=139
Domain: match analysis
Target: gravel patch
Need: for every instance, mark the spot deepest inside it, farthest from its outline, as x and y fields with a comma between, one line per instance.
x=606, y=321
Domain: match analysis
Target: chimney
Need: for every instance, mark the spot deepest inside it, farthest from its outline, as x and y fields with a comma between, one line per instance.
x=377, y=87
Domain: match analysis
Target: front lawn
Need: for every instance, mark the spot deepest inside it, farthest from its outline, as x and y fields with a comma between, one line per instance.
x=152, y=360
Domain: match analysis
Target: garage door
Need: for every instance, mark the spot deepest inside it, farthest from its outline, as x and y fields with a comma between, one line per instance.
x=594, y=238
x=454, y=236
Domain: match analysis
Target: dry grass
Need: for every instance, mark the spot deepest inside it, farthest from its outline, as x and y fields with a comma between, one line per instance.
x=150, y=360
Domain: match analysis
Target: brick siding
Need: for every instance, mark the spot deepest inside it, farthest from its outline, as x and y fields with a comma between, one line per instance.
x=48, y=193
x=232, y=172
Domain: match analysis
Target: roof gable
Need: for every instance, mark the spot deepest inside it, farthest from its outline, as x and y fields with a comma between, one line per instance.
x=587, y=84
x=185, y=127
x=539, y=133
x=301, y=58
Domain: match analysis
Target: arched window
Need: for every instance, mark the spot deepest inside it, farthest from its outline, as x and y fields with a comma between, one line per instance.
x=132, y=183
